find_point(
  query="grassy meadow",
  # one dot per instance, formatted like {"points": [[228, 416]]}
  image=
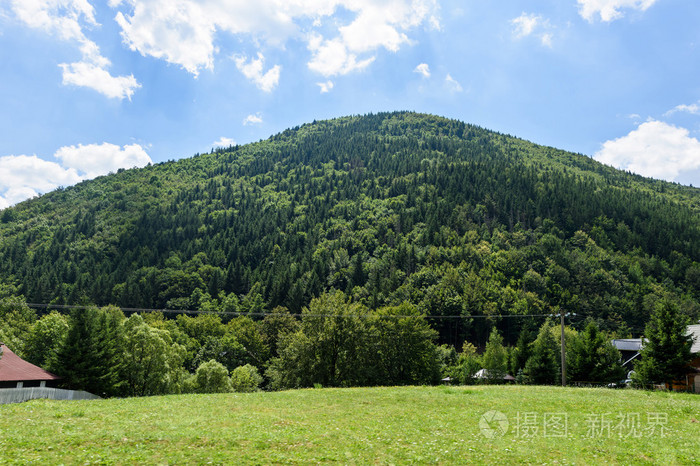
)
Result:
{"points": [[443, 425]]}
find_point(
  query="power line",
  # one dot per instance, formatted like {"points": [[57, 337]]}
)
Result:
{"points": [[264, 314]]}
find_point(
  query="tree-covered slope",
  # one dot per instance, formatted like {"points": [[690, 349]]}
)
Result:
{"points": [[388, 208]]}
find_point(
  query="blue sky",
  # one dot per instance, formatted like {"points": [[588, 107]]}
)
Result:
{"points": [[88, 87]]}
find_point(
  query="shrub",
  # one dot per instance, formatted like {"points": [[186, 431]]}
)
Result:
{"points": [[212, 377], [246, 378]]}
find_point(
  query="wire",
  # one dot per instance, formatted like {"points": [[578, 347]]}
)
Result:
{"points": [[264, 314]]}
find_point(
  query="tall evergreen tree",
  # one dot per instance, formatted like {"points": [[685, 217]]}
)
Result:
{"points": [[89, 357], [542, 368], [522, 350], [593, 358], [666, 351]]}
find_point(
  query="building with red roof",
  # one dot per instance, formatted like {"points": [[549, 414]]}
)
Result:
{"points": [[15, 372]]}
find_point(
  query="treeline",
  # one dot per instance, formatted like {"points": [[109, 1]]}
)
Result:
{"points": [[334, 343], [392, 209]]}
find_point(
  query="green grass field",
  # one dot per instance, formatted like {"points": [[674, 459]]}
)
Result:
{"points": [[361, 425]]}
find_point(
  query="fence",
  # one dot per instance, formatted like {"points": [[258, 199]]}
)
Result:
{"points": [[20, 395]]}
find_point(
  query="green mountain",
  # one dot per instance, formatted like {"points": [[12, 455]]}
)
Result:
{"points": [[389, 208]]}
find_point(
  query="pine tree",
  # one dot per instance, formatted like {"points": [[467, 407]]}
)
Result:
{"points": [[666, 352], [593, 358], [521, 352], [88, 359], [542, 368]]}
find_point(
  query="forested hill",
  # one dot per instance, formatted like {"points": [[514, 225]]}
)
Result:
{"points": [[389, 208]]}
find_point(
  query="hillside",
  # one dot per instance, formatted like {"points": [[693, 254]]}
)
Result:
{"points": [[389, 208]]}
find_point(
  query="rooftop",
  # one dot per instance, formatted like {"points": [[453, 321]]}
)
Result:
{"points": [[15, 369], [694, 330], [628, 344]]}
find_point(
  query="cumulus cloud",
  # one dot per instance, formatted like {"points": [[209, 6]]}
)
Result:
{"points": [[609, 10], [325, 86], [65, 19], [342, 36], [179, 32], [655, 149], [376, 25], [224, 142], [253, 70], [183, 32], [423, 69], [532, 25], [93, 160], [252, 120], [25, 176], [452, 84], [332, 57]]}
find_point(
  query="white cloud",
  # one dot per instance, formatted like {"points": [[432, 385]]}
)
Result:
{"points": [[546, 39], [609, 10], [693, 109], [655, 149], [179, 32], [325, 87], [525, 24], [423, 69], [183, 32], [532, 25], [88, 75], [253, 70], [331, 57], [252, 120], [376, 25], [26, 176], [65, 19], [60, 17], [224, 142], [452, 84], [342, 36], [93, 160]]}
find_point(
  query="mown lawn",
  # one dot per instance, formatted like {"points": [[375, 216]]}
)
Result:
{"points": [[361, 425]]}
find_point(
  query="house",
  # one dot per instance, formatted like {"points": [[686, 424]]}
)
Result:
{"points": [[22, 381], [15, 372], [630, 349], [692, 376], [483, 374]]}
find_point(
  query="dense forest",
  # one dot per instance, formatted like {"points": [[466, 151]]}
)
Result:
{"points": [[394, 209]]}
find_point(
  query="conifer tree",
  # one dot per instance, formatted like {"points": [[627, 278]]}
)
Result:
{"points": [[542, 368], [89, 357], [593, 358], [666, 351]]}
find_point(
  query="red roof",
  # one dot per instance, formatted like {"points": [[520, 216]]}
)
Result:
{"points": [[15, 369]]}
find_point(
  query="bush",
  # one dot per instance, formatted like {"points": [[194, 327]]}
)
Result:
{"points": [[246, 379], [212, 377]]}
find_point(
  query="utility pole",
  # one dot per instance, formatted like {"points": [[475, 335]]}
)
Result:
{"points": [[563, 353], [563, 347]]}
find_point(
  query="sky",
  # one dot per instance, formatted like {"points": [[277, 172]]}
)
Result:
{"points": [[88, 87]]}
